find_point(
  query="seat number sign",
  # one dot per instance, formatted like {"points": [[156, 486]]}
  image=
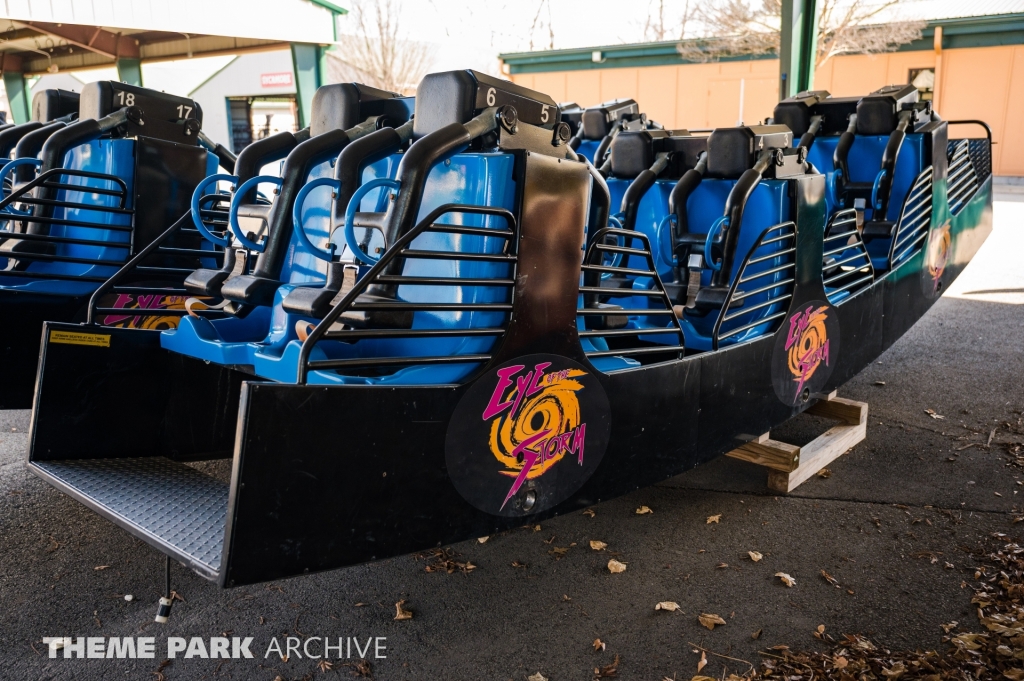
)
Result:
{"points": [[528, 110], [153, 107]]}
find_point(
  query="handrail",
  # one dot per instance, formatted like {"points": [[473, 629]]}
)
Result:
{"points": [[300, 200], [131, 264], [350, 216], [235, 203], [973, 121], [20, 192], [709, 261], [389, 255], [197, 218]]}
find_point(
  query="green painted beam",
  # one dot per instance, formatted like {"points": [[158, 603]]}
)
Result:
{"points": [[798, 46], [307, 61], [18, 96], [129, 71], [987, 31], [336, 9]]}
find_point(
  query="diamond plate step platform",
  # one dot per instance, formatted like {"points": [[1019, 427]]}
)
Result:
{"points": [[171, 506]]}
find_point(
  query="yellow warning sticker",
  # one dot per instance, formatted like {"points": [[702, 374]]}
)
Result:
{"points": [[96, 340]]}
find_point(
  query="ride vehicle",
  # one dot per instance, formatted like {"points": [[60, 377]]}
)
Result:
{"points": [[87, 196], [476, 373]]}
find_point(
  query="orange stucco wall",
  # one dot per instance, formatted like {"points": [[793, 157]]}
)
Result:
{"points": [[982, 82]]}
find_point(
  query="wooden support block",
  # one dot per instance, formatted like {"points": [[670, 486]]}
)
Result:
{"points": [[770, 453], [791, 465], [819, 453], [850, 412]]}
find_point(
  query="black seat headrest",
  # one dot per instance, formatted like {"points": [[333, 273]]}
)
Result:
{"points": [[731, 151], [458, 96], [48, 105], [164, 116], [878, 113], [634, 151], [571, 113], [344, 105], [795, 112], [598, 120]]}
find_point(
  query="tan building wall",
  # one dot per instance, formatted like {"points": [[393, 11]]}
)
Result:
{"points": [[981, 82]]}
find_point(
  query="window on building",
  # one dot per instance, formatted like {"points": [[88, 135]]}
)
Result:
{"points": [[253, 118], [924, 81]]}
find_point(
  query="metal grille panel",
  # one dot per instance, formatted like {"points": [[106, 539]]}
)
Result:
{"points": [[846, 266], [768, 274], [661, 321], [915, 219], [962, 180], [167, 503]]}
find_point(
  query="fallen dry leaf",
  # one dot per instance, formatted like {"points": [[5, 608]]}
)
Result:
{"points": [[607, 671], [879, 382], [597, 545], [830, 579], [598, 645], [101, 567], [722, 566], [703, 662], [483, 540], [713, 519], [537, 677], [931, 412], [824, 473], [615, 566], [643, 510], [325, 666], [786, 579], [589, 512], [401, 613], [754, 556], [536, 528], [671, 606], [710, 620], [757, 634], [949, 627]]}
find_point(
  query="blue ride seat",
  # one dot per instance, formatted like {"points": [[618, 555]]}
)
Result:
{"points": [[871, 150], [411, 319], [71, 239], [686, 190], [344, 116]]}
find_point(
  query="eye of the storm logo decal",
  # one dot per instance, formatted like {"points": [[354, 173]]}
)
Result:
{"points": [[805, 351], [807, 343], [937, 257], [527, 435], [538, 421]]}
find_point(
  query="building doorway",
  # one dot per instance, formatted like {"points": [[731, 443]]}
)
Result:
{"points": [[253, 118]]}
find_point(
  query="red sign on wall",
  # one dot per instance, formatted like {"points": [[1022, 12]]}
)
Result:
{"points": [[283, 79]]}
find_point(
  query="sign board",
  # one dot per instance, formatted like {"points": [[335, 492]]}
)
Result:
{"points": [[283, 79]]}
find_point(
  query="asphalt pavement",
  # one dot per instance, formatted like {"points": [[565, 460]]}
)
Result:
{"points": [[892, 526]]}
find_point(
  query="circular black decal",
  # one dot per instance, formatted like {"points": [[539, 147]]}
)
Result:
{"points": [[527, 435], [936, 258], [806, 348]]}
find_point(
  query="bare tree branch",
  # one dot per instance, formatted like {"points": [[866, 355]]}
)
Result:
{"points": [[734, 28], [377, 54]]}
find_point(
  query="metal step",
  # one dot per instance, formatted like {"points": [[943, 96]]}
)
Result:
{"points": [[171, 506]]}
